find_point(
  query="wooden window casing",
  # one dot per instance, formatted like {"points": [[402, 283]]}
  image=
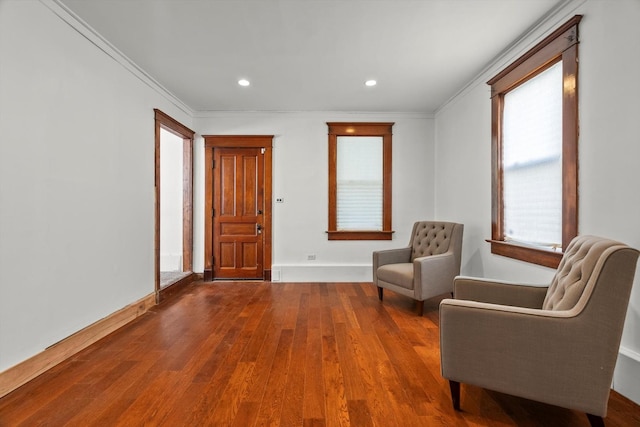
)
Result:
{"points": [[383, 130], [561, 45]]}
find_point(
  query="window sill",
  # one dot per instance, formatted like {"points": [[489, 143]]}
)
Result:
{"points": [[360, 235], [525, 253]]}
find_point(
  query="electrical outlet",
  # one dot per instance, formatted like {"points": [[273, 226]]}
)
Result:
{"points": [[279, 199], [311, 257]]}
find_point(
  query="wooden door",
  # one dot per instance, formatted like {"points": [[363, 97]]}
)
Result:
{"points": [[223, 148], [238, 212]]}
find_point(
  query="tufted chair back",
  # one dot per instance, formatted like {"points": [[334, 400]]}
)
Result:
{"points": [[430, 238], [576, 268]]}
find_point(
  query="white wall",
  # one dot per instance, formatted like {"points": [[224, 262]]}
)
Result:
{"points": [[76, 180], [609, 149], [171, 206], [300, 177]]}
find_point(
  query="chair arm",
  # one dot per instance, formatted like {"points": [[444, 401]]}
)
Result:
{"points": [[434, 274], [391, 256], [535, 354], [499, 292]]}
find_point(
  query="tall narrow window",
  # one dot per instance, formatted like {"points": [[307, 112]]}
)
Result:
{"points": [[359, 181], [535, 154]]}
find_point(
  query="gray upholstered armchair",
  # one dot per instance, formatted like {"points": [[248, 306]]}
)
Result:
{"points": [[426, 267], [555, 344]]}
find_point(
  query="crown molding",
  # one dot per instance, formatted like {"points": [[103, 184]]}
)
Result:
{"points": [[323, 115], [84, 29], [542, 28]]}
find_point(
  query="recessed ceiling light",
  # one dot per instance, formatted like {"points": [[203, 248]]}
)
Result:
{"points": [[371, 83], [244, 82]]}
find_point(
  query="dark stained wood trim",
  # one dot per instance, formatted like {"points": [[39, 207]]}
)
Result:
{"points": [[175, 288], [164, 121], [208, 213], [570, 134], [360, 128], [156, 239], [333, 192], [385, 130], [238, 141], [173, 125], [360, 235], [387, 152], [524, 253], [187, 208], [497, 205], [267, 232], [212, 142], [27, 370], [561, 45], [542, 53]]}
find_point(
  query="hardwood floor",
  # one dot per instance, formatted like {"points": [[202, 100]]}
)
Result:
{"points": [[253, 353]]}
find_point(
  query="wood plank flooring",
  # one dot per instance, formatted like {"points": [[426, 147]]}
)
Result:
{"points": [[253, 353]]}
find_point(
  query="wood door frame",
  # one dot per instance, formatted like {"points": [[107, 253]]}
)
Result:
{"points": [[164, 121], [211, 142]]}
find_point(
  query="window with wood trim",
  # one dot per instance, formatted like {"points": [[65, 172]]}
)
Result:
{"points": [[360, 181], [534, 108]]}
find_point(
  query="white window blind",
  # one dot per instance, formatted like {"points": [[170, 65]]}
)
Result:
{"points": [[359, 183], [532, 161]]}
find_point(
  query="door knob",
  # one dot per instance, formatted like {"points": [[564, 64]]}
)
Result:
{"points": [[259, 228]]}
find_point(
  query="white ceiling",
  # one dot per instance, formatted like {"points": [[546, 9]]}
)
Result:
{"points": [[312, 55]]}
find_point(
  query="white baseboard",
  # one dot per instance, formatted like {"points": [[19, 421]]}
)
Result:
{"points": [[321, 272], [626, 378]]}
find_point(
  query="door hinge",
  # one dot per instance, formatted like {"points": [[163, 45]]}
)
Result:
{"points": [[262, 150], [213, 212]]}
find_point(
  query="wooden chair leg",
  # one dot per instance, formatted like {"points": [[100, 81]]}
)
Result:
{"points": [[380, 290], [595, 420], [419, 307], [454, 386]]}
